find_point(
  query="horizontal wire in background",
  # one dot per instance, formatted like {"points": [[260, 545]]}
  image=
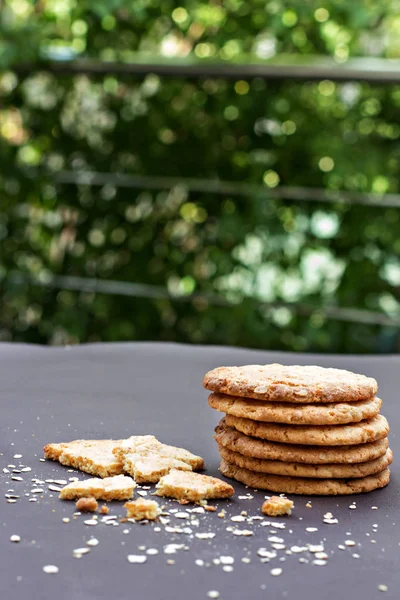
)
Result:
{"points": [[141, 290], [231, 188], [282, 67]]}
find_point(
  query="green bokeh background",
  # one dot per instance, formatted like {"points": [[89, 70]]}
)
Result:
{"points": [[257, 269]]}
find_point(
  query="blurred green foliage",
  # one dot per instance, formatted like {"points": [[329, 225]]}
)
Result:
{"points": [[252, 250]]}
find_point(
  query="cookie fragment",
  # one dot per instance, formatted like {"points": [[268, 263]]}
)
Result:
{"points": [[88, 504], [147, 460], [277, 506], [142, 509], [119, 487], [186, 485], [294, 383], [92, 456]]}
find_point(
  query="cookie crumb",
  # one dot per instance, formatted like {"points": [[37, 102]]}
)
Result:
{"points": [[50, 569], [210, 508], [88, 504], [142, 509], [104, 510], [277, 506], [137, 559]]}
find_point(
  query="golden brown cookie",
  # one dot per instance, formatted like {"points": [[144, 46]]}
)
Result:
{"points": [[193, 487], [243, 444], [92, 456], [296, 414], [109, 488], [291, 469], [147, 460], [301, 485], [279, 383], [320, 435]]}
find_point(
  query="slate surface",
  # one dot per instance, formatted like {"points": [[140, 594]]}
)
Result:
{"points": [[117, 390]]}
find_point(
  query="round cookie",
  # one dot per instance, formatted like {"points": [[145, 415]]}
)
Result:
{"points": [[328, 471], [319, 435], [295, 383], [316, 455], [296, 414], [301, 485]]}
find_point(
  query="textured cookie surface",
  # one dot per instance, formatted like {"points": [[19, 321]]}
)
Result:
{"points": [[290, 469], [319, 435], [109, 488], [147, 460], [279, 383], [300, 485], [243, 444], [92, 456], [296, 414], [194, 487]]}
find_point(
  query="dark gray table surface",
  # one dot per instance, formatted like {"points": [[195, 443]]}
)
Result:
{"points": [[118, 390]]}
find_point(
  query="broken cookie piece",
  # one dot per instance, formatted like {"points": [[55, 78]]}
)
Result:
{"points": [[142, 509], [147, 460], [92, 456], [186, 485], [119, 487], [87, 504], [150, 469], [276, 506]]}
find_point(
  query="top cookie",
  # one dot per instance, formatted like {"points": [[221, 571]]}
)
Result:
{"points": [[295, 383]]}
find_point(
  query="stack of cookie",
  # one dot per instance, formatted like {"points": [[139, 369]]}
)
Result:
{"points": [[300, 429]]}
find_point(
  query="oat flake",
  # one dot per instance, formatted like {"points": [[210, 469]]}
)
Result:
{"points": [[226, 560], [50, 569], [92, 542], [137, 559]]}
